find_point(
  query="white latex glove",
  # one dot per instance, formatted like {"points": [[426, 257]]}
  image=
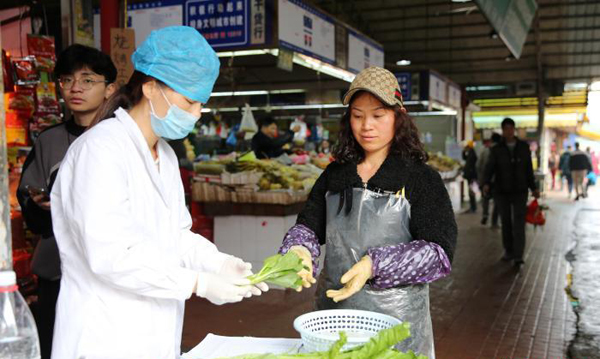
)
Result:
{"points": [[234, 267], [220, 290]]}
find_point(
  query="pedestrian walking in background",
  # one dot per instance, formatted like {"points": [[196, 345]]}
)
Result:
{"points": [[486, 198], [470, 173], [580, 165], [511, 171], [553, 161], [565, 170]]}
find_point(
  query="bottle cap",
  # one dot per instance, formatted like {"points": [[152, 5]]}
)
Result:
{"points": [[8, 278]]}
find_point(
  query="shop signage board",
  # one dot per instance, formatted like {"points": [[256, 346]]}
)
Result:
{"points": [[511, 19], [224, 24], [306, 30], [363, 53], [454, 96], [404, 80], [438, 89]]}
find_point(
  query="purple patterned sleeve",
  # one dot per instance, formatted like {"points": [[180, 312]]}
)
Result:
{"points": [[408, 263], [301, 235]]}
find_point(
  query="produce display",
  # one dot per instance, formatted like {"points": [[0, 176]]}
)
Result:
{"points": [[442, 163], [378, 347], [246, 179], [281, 270]]}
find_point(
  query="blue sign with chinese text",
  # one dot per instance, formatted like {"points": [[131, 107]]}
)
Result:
{"points": [[222, 23], [404, 80]]}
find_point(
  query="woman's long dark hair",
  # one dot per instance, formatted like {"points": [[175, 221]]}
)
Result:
{"points": [[406, 142], [127, 96]]}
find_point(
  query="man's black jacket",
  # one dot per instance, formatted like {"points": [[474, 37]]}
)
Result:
{"points": [[512, 172]]}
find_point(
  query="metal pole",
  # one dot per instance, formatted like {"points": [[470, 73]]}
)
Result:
{"points": [[5, 234], [540, 88]]}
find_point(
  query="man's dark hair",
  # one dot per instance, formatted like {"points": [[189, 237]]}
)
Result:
{"points": [[76, 57], [266, 121], [496, 137], [508, 122], [576, 145]]}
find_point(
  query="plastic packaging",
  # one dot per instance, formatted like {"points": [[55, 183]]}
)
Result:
{"points": [[18, 333]]}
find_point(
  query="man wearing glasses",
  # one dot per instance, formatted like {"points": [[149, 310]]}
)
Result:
{"points": [[86, 77]]}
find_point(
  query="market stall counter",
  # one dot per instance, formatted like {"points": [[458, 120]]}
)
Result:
{"points": [[254, 202]]}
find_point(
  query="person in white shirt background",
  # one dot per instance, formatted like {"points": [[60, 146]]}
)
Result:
{"points": [[129, 259]]}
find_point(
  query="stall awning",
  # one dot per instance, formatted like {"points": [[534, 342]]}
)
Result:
{"points": [[554, 118], [589, 132]]}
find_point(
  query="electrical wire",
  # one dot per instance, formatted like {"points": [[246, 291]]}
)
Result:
{"points": [[45, 19]]}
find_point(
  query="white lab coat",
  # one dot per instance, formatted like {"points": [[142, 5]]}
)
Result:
{"points": [[129, 259]]}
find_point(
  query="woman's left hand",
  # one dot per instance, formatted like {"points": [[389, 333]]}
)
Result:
{"points": [[354, 280]]}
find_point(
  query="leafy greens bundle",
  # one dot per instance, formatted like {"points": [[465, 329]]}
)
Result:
{"points": [[281, 270], [378, 347]]}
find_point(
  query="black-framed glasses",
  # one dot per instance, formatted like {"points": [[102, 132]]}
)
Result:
{"points": [[85, 83]]}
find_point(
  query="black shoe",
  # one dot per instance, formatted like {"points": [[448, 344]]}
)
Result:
{"points": [[507, 257], [484, 220], [518, 262], [577, 198]]}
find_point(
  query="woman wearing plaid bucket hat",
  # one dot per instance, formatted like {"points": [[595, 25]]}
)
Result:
{"points": [[384, 215], [129, 258]]}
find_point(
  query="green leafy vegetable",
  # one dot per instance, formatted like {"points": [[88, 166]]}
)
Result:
{"points": [[378, 347], [281, 270]]}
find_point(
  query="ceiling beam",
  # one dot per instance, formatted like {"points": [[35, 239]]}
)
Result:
{"points": [[479, 23], [491, 47], [503, 58], [448, 3], [485, 35]]}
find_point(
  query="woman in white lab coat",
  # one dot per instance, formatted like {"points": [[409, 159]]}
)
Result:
{"points": [[129, 259]]}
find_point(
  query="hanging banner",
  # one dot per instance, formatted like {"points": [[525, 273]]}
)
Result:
{"points": [[363, 53], [304, 29]]}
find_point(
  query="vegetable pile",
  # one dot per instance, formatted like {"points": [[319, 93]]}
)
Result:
{"points": [[281, 270], [378, 347]]}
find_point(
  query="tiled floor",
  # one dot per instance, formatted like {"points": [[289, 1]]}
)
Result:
{"points": [[485, 310]]}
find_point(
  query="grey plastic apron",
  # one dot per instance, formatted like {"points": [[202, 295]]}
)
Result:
{"points": [[373, 220]]}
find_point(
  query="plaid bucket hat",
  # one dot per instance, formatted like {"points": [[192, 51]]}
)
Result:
{"points": [[379, 82]]}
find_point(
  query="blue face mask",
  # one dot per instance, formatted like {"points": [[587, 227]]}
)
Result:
{"points": [[176, 124]]}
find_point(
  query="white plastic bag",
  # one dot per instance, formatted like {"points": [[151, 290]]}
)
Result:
{"points": [[248, 123]]}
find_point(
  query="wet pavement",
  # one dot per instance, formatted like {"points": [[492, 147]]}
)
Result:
{"points": [[585, 290], [486, 309]]}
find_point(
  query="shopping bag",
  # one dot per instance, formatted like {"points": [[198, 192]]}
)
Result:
{"points": [[591, 178], [535, 214]]}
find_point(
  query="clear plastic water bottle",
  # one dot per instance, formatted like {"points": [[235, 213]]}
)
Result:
{"points": [[18, 333]]}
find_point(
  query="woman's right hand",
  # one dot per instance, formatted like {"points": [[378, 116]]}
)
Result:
{"points": [[307, 273]]}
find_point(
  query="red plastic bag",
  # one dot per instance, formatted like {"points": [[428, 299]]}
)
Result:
{"points": [[535, 215]]}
